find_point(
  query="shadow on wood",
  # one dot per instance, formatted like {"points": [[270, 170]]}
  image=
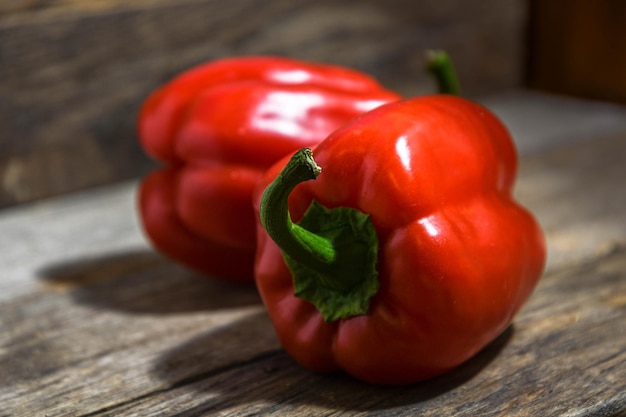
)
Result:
{"points": [[272, 377], [144, 282]]}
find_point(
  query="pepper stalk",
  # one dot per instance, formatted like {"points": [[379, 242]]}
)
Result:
{"points": [[439, 64], [331, 253]]}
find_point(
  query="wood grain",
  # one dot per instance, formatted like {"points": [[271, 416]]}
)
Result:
{"points": [[580, 199], [74, 73], [104, 327], [564, 355]]}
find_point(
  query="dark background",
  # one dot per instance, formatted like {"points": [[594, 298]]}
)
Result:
{"points": [[73, 73]]}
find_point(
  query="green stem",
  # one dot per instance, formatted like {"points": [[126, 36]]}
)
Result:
{"points": [[331, 254], [305, 247], [440, 66]]}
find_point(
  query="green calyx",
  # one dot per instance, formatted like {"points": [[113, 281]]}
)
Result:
{"points": [[331, 253], [439, 64]]}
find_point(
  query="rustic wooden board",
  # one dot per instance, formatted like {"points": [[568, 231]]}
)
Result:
{"points": [[93, 323], [564, 355], [580, 200], [73, 73]]}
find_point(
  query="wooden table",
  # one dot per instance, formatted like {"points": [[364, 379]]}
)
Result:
{"points": [[94, 323]]}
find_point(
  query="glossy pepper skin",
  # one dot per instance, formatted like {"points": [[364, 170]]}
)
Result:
{"points": [[217, 128], [457, 255]]}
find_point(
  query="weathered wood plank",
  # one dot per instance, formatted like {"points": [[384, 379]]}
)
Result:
{"points": [[74, 73], [82, 226], [564, 355], [95, 331], [579, 197], [540, 121]]}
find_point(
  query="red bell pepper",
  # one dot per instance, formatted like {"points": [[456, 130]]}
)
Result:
{"points": [[408, 254], [217, 128]]}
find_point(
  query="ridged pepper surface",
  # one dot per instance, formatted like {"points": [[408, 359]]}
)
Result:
{"points": [[216, 128]]}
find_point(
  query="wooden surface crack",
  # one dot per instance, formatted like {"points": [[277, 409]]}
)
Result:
{"points": [[184, 382]]}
